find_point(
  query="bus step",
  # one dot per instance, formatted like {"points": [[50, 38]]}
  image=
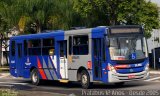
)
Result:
{"points": [[64, 81]]}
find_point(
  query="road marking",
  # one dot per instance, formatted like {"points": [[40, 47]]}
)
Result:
{"points": [[57, 94], [152, 79], [13, 83]]}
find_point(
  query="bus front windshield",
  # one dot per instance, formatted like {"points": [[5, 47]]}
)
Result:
{"points": [[127, 48]]}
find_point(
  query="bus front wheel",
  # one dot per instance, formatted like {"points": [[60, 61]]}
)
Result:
{"points": [[85, 80], [35, 77]]}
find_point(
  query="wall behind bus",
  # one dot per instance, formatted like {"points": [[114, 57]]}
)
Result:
{"points": [[154, 40]]}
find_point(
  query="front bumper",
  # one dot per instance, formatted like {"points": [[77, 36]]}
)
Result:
{"points": [[117, 77]]}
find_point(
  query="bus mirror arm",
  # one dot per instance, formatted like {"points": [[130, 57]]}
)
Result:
{"points": [[108, 43]]}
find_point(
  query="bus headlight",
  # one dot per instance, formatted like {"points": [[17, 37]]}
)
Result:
{"points": [[111, 68], [147, 67]]}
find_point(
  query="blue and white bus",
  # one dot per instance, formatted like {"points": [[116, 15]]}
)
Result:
{"points": [[108, 54]]}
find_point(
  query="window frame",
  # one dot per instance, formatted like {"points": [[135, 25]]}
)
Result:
{"points": [[70, 45]]}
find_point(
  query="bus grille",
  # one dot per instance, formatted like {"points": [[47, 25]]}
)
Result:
{"points": [[125, 76]]}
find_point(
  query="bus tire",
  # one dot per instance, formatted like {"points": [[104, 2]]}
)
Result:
{"points": [[35, 77], [119, 83], [85, 80]]}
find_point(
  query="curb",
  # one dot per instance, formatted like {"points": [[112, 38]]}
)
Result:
{"points": [[4, 69], [4, 75]]}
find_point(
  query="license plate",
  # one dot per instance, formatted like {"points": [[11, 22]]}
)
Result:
{"points": [[131, 76]]}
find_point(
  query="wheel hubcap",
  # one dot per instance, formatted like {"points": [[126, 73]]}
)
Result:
{"points": [[84, 79], [34, 77]]}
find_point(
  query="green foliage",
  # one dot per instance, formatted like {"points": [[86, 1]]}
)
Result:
{"points": [[7, 15], [140, 13], [115, 12], [38, 15]]}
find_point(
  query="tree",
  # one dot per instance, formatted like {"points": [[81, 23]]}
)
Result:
{"points": [[37, 15], [34, 16], [3, 26], [11, 13], [115, 12], [146, 14], [47, 14], [8, 19]]}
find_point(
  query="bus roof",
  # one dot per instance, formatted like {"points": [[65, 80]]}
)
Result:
{"points": [[39, 35], [62, 32], [51, 34]]}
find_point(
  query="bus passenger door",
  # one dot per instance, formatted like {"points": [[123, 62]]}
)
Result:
{"points": [[97, 58], [19, 58], [63, 59]]}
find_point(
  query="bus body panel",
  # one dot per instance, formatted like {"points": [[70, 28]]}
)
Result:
{"points": [[44, 64], [12, 60], [75, 62], [122, 75]]}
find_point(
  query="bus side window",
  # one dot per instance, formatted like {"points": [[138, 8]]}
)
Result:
{"points": [[80, 45], [34, 47], [48, 46], [13, 48]]}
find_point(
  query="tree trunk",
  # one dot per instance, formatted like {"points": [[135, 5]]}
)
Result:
{"points": [[38, 29], [6, 56], [6, 45], [38, 25]]}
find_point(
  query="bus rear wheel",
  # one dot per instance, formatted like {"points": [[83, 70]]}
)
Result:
{"points": [[85, 80], [35, 77]]}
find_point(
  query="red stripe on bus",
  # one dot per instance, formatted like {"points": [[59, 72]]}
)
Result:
{"points": [[41, 71]]}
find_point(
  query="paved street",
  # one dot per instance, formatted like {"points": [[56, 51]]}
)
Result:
{"points": [[50, 88]]}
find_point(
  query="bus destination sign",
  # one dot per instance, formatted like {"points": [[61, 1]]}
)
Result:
{"points": [[125, 30]]}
